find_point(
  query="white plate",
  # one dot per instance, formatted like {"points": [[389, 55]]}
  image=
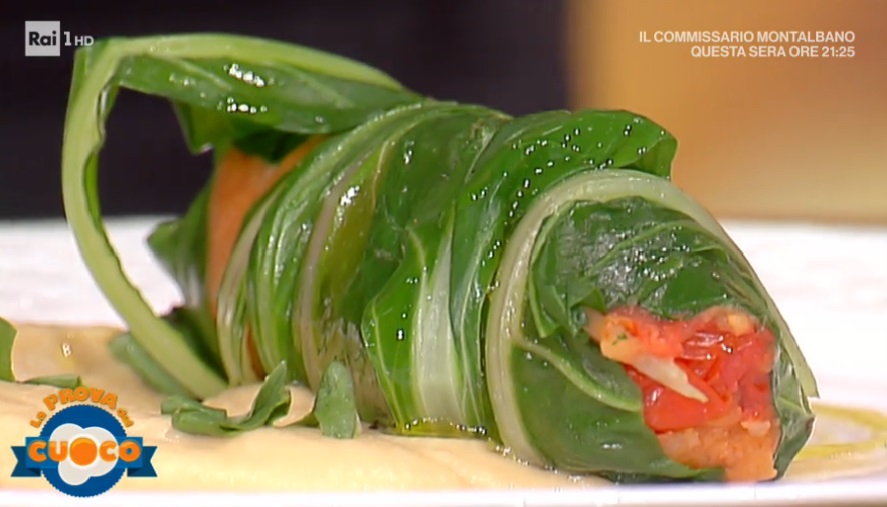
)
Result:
{"points": [[830, 284]]}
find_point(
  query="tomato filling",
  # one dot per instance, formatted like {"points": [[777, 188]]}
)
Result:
{"points": [[705, 383], [240, 180]]}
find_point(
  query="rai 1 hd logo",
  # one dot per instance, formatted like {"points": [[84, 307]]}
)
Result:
{"points": [[83, 448], [46, 38]]}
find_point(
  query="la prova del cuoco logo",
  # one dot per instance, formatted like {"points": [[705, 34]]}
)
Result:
{"points": [[83, 449]]}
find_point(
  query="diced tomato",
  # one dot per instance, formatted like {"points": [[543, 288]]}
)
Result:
{"points": [[728, 358], [732, 369]]}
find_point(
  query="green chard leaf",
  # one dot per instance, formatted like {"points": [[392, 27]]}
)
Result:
{"points": [[249, 93], [315, 237], [525, 159], [335, 408], [127, 349], [271, 403], [609, 238], [334, 412], [60, 381], [402, 297], [7, 340], [225, 88], [180, 247]]}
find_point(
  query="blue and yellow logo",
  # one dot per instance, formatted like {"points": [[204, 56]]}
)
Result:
{"points": [[83, 449]]}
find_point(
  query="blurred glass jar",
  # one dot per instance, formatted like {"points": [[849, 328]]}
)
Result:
{"points": [[776, 137]]}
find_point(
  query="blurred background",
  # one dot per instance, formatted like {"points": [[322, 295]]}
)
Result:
{"points": [[773, 138], [780, 138], [503, 53]]}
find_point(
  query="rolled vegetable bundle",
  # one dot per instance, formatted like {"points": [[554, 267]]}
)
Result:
{"points": [[536, 281]]}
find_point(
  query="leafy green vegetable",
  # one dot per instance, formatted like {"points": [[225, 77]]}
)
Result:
{"points": [[61, 381], [303, 93], [263, 93], [664, 260], [587, 435], [180, 247], [271, 402], [428, 264], [127, 350], [512, 346], [188, 323], [334, 410], [7, 339]]}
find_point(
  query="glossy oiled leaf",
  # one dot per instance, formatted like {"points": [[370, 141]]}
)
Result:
{"points": [[406, 322], [262, 94], [222, 99], [282, 243], [635, 253], [524, 159], [314, 240], [333, 93]]}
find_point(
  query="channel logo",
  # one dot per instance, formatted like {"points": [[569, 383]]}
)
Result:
{"points": [[83, 450], [46, 38]]}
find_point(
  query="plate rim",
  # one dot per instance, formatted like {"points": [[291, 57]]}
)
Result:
{"points": [[842, 492]]}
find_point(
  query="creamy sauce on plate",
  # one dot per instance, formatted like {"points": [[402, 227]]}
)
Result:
{"points": [[846, 442]]}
